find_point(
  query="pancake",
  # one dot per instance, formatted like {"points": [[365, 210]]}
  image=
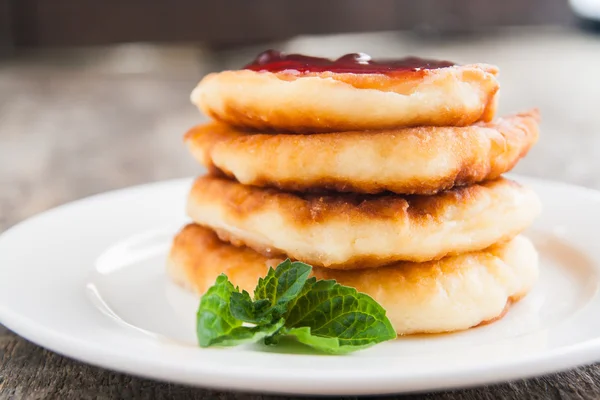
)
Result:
{"points": [[333, 102], [450, 294], [421, 160], [359, 231]]}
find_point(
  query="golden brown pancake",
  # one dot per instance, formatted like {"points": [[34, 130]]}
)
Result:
{"points": [[359, 231], [334, 102], [421, 160], [450, 294]]}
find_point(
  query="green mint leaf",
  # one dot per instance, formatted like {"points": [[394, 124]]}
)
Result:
{"points": [[282, 285], [305, 289], [216, 325], [213, 318], [327, 310], [248, 334], [323, 314], [243, 308], [322, 343]]}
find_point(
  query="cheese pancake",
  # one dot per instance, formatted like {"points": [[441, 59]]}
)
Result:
{"points": [[421, 160], [446, 295], [358, 231], [327, 101]]}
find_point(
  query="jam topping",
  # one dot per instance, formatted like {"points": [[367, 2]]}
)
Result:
{"points": [[356, 63]]}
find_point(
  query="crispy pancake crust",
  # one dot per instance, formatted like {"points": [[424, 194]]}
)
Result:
{"points": [[450, 294], [359, 231], [422, 160], [330, 102]]}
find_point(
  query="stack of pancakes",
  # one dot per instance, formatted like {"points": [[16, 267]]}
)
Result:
{"points": [[386, 182]]}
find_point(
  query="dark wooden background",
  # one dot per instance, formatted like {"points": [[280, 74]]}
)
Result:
{"points": [[224, 23]]}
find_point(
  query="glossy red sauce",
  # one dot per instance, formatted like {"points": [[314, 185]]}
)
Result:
{"points": [[356, 63]]}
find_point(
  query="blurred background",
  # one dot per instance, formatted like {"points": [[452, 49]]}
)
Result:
{"points": [[94, 95]]}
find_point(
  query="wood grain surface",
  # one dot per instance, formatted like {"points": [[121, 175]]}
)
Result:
{"points": [[75, 123]]}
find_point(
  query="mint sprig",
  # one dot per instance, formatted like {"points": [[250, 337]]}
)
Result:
{"points": [[216, 325], [322, 314]]}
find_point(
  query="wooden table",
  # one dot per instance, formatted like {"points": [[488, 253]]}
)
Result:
{"points": [[81, 122]]}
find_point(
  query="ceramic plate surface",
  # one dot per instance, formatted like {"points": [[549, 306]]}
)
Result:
{"points": [[87, 280]]}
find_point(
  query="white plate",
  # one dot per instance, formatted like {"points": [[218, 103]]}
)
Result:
{"points": [[87, 280]]}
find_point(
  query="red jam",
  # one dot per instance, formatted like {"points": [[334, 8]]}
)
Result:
{"points": [[356, 63]]}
